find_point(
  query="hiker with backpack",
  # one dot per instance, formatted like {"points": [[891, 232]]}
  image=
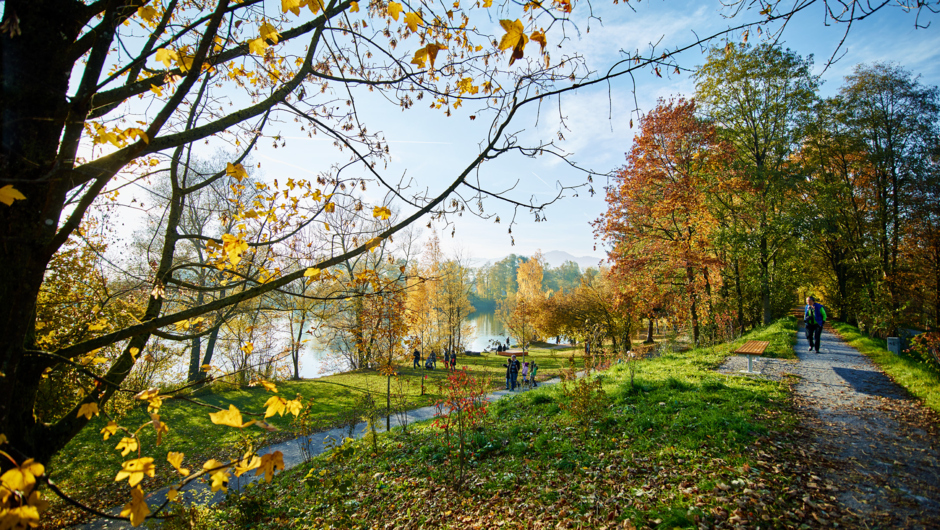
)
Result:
{"points": [[814, 317]]}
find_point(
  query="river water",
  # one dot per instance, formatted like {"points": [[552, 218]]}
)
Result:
{"points": [[486, 329]]}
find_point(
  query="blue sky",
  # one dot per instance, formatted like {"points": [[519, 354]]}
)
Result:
{"points": [[430, 148]]}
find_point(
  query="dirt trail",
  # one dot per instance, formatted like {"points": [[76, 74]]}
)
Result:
{"points": [[878, 444]]}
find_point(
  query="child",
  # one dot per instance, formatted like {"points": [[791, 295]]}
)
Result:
{"points": [[525, 373], [534, 370]]}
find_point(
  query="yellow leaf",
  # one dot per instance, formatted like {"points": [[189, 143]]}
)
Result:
{"points": [[172, 494], [269, 386], [135, 470], [176, 460], [394, 9], [137, 509], [167, 57], [312, 273], [466, 85], [134, 132], [539, 37], [126, 445], [257, 46], [219, 475], [515, 38], [354, 7], [275, 405], [231, 417], [293, 406], [429, 52], [246, 464], [412, 20], [315, 6], [236, 170], [373, 243], [146, 395], [206, 367], [248, 347], [420, 58], [8, 194], [234, 248], [159, 426], [269, 464], [291, 5], [381, 212], [330, 207], [88, 410], [147, 13], [134, 352], [109, 430], [268, 32], [22, 478]]}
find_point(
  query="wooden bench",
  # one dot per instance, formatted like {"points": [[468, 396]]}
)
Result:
{"points": [[751, 349]]}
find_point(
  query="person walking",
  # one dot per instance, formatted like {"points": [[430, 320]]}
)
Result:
{"points": [[534, 369], [417, 358], [512, 373], [814, 317], [453, 361]]}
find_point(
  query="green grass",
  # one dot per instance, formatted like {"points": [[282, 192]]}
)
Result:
{"points": [[913, 374], [682, 446], [86, 467]]}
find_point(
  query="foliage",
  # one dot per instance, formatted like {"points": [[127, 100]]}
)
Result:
{"points": [[585, 400], [688, 448], [927, 347], [128, 93], [756, 96], [462, 409], [658, 221]]}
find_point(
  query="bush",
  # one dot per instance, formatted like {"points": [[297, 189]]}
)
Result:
{"points": [[926, 348]]}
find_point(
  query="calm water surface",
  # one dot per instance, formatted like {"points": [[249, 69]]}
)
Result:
{"points": [[486, 329]]}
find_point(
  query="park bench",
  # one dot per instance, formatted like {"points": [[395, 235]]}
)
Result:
{"points": [[751, 349]]}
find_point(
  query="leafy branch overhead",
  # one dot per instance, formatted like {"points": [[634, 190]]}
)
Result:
{"points": [[111, 124]]}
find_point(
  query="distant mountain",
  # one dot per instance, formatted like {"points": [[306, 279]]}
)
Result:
{"points": [[556, 258]]}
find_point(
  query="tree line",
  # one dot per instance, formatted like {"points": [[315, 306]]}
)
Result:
{"points": [[755, 192]]}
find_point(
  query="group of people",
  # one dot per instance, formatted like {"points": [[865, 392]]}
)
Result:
{"points": [[450, 360], [514, 367]]}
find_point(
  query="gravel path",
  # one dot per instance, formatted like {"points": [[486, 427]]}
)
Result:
{"points": [[878, 445]]}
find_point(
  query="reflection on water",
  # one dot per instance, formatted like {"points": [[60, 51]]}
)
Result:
{"points": [[487, 328]]}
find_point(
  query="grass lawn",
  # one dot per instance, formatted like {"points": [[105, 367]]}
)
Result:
{"points": [[682, 446], [913, 374], [86, 468]]}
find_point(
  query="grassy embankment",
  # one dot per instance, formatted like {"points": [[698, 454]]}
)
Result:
{"points": [[913, 374], [85, 469], [683, 446]]}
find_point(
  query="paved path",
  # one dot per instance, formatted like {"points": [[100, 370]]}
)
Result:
{"points": [[293, 451], [878, 445]]}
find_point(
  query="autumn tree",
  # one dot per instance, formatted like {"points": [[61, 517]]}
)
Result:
{"points": [[897, 120], [756, 95], [97, 94], [658, 223], [519, 311]]}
